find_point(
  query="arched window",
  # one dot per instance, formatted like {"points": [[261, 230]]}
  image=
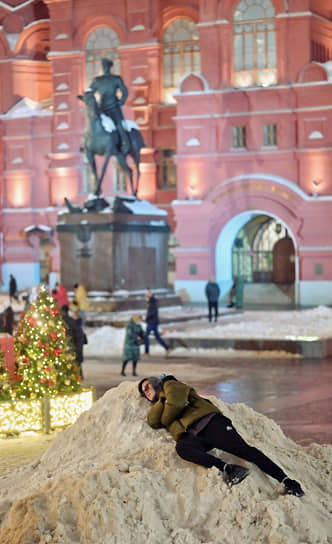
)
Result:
{"points": [[255, 58], [181, 54], [102, 42]]}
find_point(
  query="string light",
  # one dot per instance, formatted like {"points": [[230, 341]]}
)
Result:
{"points": [[48, 388]]}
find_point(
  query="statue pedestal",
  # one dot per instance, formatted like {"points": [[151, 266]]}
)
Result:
{"points": [[122, 248]]}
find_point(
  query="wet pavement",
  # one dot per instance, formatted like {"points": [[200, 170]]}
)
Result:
{"points": [[297, 394]]}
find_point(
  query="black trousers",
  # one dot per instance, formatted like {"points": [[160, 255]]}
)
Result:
{"points": [[213, 306], [220, 433], [124, 364]]}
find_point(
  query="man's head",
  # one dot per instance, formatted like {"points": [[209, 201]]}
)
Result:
{"points": [[150, 388], [148, 294], [106, 64], [136, 318]]}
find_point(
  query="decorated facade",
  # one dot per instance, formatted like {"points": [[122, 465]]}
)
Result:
{"points": [[234, 101]]}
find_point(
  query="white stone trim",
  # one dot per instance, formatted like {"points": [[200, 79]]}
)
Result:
{"points": [[186, 202], [296, 14], [138, 45], [15, 8], [264, 177], [315, 248], [64, 53], [192, 249], [35, 23], [214, 23], [250, 113]]}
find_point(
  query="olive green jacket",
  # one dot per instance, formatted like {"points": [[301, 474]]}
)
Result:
{"points": [[178, 407]]}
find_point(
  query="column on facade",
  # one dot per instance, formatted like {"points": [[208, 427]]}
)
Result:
{"points": [[293, 55], [65, 158], [140, 70], [6, 95]]}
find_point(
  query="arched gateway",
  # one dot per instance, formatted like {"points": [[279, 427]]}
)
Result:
{"points": [[251, 227], [260, 251]]}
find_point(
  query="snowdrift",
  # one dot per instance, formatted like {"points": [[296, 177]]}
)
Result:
{"points": [[111, 479]]}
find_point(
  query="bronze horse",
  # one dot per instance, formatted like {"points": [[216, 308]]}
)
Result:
{"points": [[98, 141]]}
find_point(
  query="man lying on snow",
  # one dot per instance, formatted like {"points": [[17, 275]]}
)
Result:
{"points": [[198, 426]]}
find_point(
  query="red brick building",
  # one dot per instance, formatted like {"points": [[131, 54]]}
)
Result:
{"points": [[236, 94]]}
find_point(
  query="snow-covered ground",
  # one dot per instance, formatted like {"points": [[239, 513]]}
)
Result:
{"points": [[110, 478], [308, 324]]}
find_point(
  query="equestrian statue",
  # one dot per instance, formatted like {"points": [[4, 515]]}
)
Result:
{"points": [[107, 132]]}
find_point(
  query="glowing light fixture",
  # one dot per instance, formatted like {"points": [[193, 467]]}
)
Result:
{"points": [[44, 414]]}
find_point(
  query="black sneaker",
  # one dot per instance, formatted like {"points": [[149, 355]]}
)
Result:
{"points": [[292, 487], [235, 474]]}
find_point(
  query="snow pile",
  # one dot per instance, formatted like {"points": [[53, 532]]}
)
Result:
{"points": [[111, 479]]}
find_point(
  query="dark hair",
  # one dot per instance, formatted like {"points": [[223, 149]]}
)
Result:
{"points": [[157, 385], [75, 285], [140, 386]]}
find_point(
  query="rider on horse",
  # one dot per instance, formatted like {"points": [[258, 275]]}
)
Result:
{"points": [[107, 86]]}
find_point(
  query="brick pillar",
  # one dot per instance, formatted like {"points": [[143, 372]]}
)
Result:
{"points": [[67, 68]]}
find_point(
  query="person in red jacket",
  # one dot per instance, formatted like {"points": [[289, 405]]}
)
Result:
{"points": [[60, 295]]}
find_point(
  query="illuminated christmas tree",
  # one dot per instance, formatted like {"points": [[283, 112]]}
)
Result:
{"points": [[5, 380], [45, 357]]}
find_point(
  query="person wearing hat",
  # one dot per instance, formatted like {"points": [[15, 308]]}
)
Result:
{"points": [[133, 339], [198, 426]]}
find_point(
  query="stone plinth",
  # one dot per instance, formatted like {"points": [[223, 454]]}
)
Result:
{"points": [[114, 250]]}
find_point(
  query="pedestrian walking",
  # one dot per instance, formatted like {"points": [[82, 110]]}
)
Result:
{"points": [[76, 332], [133, 339], [81, 298], [212, 293], [12, 288], [152, 321], [198, 426]]}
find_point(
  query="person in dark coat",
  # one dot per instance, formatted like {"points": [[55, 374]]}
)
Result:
{"points": [[8, 320], [212, 293], [152, 321], [12, 288], [198, 426], [77, 334], [134, 337]]}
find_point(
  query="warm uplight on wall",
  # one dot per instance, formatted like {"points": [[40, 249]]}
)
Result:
{"points": [[17, 189], [64, 182], [315, 185], [192, 190], [18, 197]]}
